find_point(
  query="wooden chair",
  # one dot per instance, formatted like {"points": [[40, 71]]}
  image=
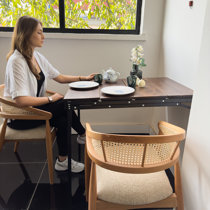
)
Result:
{"points": [[128, 171], [10, 110]]}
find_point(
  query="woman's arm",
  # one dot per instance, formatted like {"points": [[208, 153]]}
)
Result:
{"points": [[68, 78], [36, 101]]}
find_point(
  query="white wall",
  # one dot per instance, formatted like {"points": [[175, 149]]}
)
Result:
{"points": [[185, 58], [181, 40], [196, 167], [81, 57]]}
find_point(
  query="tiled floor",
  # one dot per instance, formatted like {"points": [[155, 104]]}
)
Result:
{"points": [[24, 182]]}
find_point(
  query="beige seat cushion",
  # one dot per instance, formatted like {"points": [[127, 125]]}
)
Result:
{"points": [[35, 133], [132, 189]]}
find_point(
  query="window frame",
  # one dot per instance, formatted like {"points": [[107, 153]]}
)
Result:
{"points": [[62, 28]]}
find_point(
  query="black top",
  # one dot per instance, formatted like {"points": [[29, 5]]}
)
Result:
{"points": [[40, 82]]}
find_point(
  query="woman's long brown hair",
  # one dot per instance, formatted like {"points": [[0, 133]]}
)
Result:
{"points": [[23, 30]]}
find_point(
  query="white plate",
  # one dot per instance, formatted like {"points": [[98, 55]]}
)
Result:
{"points": [[83, 84], [117, 90]]}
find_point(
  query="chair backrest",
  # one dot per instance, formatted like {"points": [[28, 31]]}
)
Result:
{"points": [[2, 90], [10, 110], [136, 153], [8, 105]]}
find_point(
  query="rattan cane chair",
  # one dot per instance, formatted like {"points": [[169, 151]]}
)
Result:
{"points": [[128, 171], [10, 110]]}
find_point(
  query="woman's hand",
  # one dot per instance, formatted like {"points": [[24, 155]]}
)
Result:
{"points": [[89, 77], [56, 97]]}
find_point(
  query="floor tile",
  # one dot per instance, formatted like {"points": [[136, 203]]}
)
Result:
{"points": [[33, 151], [57, 196], [18, 182]]}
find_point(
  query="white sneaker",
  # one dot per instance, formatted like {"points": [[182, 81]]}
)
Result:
{"points": [[76, 167], [81, 139]]}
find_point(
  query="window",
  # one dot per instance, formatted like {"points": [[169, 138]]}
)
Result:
{"points": [[75, 16]]}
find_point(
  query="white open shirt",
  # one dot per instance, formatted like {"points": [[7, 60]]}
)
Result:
{"points": [[20, 81]]}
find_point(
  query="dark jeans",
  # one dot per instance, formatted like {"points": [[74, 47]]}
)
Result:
{"points": [[59, 120]]}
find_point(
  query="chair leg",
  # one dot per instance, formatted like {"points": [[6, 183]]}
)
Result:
{"points": [[178, 187], [92, 188], [87, 173], [49, 151], [2, 134], [16, 146]]}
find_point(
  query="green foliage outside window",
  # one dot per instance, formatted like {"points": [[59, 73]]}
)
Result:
{"points": [[46, 11], [79, 14], [110, 14]]}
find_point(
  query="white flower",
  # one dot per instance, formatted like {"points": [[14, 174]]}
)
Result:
{"points": [[137, 55], [140, 48]]}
